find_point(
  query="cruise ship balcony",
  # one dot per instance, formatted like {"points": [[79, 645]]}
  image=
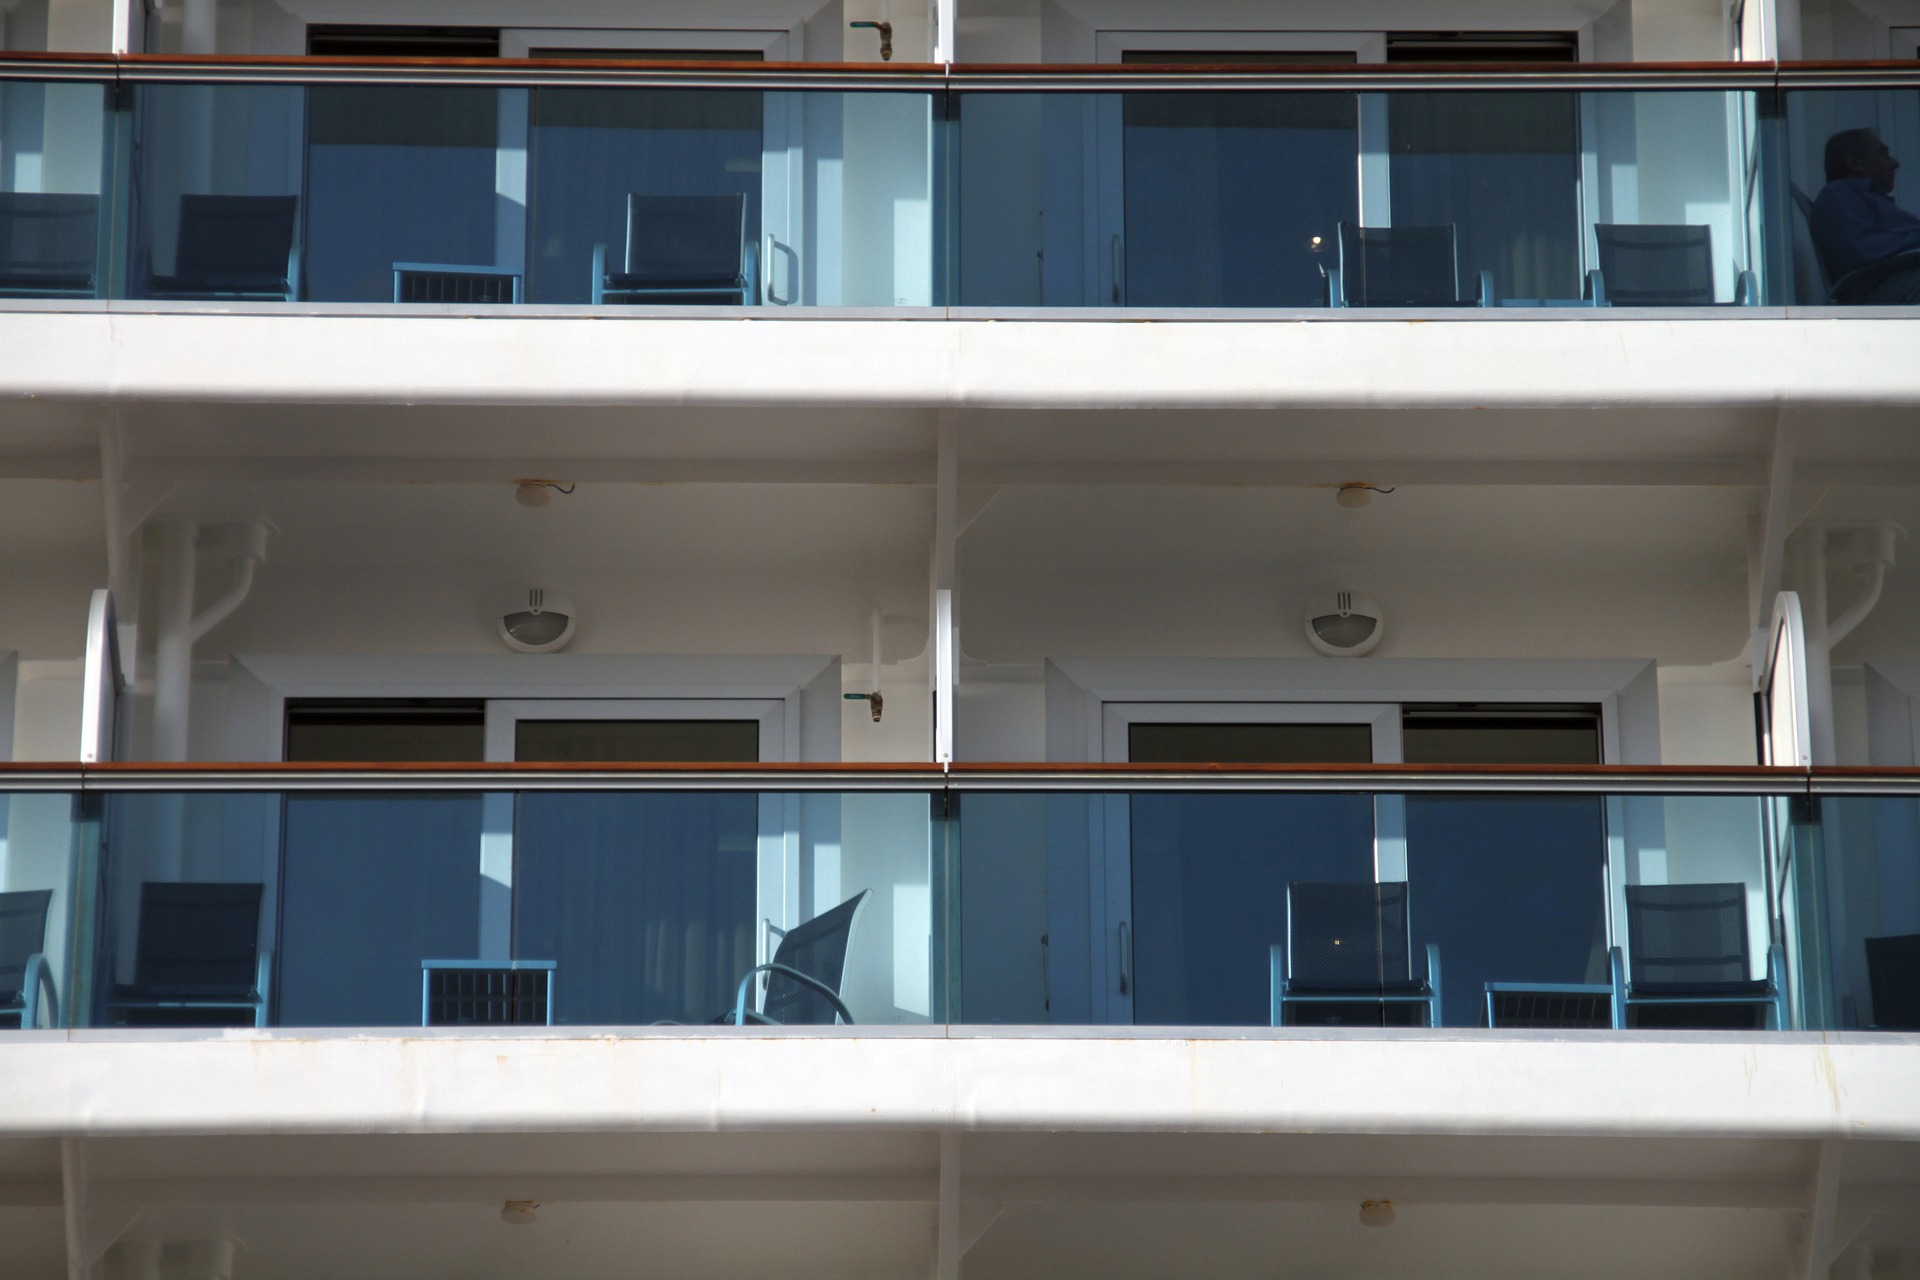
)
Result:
{"points": [[1746, 901], [174, 183]]}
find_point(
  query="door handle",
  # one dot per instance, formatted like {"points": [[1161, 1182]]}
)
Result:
{"points": [[1126, 958]]}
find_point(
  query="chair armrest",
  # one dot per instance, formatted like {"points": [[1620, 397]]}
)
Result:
{"points": [[741, 1013], [1433, 963], [38, 976], [1596, 290], [1746, 290], [262, 982], [599, 274], [1777, 978], [1617, 975], [1488, 298], [1276, 984]]}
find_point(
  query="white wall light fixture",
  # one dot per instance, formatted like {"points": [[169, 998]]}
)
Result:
{"points": [[538, 622], [1343, 624]]}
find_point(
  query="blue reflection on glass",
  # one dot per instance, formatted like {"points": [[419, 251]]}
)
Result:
{"points": [[590, 148], [397, 174], [1504, 169], [1210, 877], [371, 886], [1225, 194], [645, 900], [1513, 890]]}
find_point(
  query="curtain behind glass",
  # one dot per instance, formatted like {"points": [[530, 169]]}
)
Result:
{"points": [[1504, 169], [397, 174], [646, 901], [592, 147], [1225, 192], [1210, 875], [371, 886]]}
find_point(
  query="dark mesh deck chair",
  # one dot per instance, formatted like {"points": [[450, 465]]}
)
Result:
{"points": [[49, 245], [1654, 265], [26, 987], [236, 248], [1689, 966], [806, 973], [198, 961], [1399, 267], [681, 249], [1350, 946], [1893, 973]]}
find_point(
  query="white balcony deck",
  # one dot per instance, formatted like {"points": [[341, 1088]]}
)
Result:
{"points": [[922, 358], [1794, 1085], [987, 1152]]}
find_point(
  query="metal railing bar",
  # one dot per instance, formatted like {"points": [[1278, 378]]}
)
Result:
{"points": [[927, 778], [905, 77]]}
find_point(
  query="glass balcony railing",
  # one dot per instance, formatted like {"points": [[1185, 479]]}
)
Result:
{"points": [[1745, 900], [1219, 189]]}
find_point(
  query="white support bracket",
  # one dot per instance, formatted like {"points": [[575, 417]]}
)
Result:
{"points": [[92, 1225], [1768, 558], [1815, 1250], [947, 1244], [943, 645]]}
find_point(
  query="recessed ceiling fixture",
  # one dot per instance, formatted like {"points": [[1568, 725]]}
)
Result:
{"points": [[1343, 624], [521, 1212], [1356, 494], [538, 622], [1376, 1213], [534, 492]]}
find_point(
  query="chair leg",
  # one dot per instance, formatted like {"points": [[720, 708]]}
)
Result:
{"points": [[1619, 975], [1276, 987]]}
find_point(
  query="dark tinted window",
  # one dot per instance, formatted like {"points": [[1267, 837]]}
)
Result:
{"points": [[355, 41], [385, 730]]}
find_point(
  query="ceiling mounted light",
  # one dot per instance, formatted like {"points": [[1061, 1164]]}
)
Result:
{"points": [[538, 622], [1342, 624], [1376, 1213], [538, 493]]}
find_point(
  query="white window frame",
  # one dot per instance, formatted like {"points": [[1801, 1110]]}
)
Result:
{"points": [[779, 689], [1092, 701], [774, 44]]}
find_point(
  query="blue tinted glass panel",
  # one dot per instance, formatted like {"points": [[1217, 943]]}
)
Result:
{"points": [[1503, 169], [1511, 888], [217, 208], [646, 902], [373, 885], [1856, 226], [1210, 875], [405, 175], [1225, 194], [593, 148]]}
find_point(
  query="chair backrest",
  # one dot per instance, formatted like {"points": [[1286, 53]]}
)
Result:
{"points": [[1687, 936], [1893, 973], [197, 938], [23, 932], [235, 237], [818, 949], [1811, 277], [1655, 264], [1399, 266], [686, 239], [47, 234], [1348, 936]]}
